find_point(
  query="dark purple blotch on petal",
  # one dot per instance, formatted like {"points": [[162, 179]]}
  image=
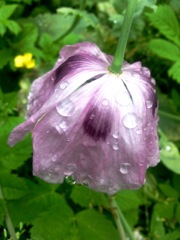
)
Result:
{"points": [[72, 64], [97, 124]]}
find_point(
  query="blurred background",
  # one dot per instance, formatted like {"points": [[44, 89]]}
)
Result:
{"points": [[31, 34]]}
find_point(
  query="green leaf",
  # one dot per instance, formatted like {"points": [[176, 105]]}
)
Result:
{"points": [[141, 4], [132, 216], [1, 212], [124, 199], [26, 42], [165, 49], [13, 187], [175, 235], [170, 155], [168, 191], [5, 56], [39, 198], [169, 120], [162, 213], [6, 11], [13, 26], [46, 41], [86, 197], [93, 225], [178, 212], [11, 158], [166, 22], [2, 29], [174, 71], [53, 224], [52, 24]]}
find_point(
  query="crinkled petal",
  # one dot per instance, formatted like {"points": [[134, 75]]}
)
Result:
{"points": [[103, 141], [96, 126], [83, 69]]}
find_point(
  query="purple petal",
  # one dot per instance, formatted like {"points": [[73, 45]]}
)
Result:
{"points": [[99, 127]]}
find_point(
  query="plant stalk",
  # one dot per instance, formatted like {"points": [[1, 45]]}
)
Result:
{"points": [[8, 220], [122, 42]]}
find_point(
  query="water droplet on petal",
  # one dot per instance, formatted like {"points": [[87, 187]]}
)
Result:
{"points": [[138, 131], [115, 146], [54, 158], [64, 85], [70, 179], [149, 104], [47, 131], [87, 181], [70, 168], [63, 125], [65, 108], [153, 81], [124, 168], [115, 134], [130, 120], [92, 116], [123, 98], [105, 102]]}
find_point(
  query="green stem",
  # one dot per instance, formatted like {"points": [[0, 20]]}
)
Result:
{"points": [[76, 20], [8, 221], [122, 42], [120, 220], [115, 212], [126, 225]]}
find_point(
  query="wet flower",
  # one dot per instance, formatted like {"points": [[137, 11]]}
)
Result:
{"points": [[96, 127], [25, 61]]}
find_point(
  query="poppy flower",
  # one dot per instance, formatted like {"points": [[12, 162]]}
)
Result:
{"points": [[89, 124]]}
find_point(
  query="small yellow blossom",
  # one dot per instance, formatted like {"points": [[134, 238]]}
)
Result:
{"points": [[25, 61]]}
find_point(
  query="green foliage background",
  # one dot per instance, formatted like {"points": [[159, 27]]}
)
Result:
{"points": [[42, 211]]}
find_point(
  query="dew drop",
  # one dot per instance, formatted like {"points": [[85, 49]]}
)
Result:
{"points": [[123, 98], [65, 108], [115, 134], [87, 181], [70, 168], [92, 116], [115, 146], [138, 131], [124, 168], [153, 81], [146, 71], [105, 102], [54, 158], [70, 180], [63, 125], [64, 85], [47, 131], [130, 120], [149, 104], [168, 148]]}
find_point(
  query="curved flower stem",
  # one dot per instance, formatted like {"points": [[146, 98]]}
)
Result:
{"points": [[76, 20], [8, 221], [114, 209], [122, 42], [120, 221]]}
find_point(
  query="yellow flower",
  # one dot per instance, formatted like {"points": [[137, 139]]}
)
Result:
{"points": [[25, 60]]}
